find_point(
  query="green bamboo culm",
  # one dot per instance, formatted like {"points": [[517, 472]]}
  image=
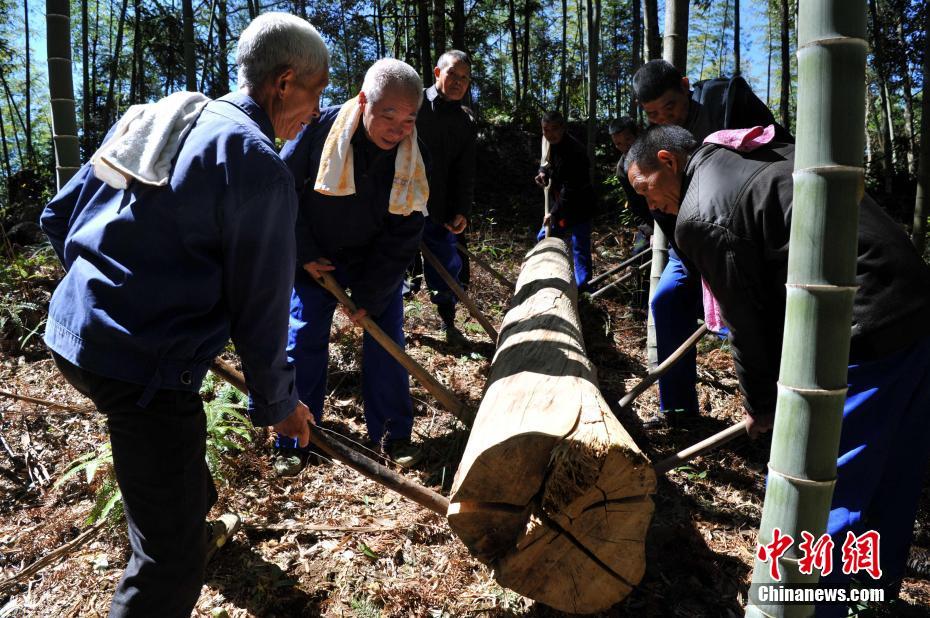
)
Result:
{"points": [[828, 185], [61, 90]]}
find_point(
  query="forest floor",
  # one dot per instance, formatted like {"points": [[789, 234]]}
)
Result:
{"points": [[329, 542]]}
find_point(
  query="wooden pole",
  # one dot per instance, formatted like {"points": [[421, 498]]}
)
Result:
{"points": [[625, 277], [459, 292], [704, 446], [659, 371], [355, 460], [618, 267], [440, 392], [480, 261], [547, 225]]}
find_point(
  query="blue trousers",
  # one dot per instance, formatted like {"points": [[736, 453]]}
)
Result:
{"points": [[883, 454], [385, 383], [676, 307], [580, 235], [442, 243]]}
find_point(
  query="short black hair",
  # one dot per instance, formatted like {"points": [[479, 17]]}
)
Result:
{"points": [[553, 117], [624, 123], [654, 78], [645, 150], [451, 56]]}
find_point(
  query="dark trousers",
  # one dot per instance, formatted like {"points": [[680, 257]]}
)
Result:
{"points": [[385, 383], [442, 243], [159, 459]]}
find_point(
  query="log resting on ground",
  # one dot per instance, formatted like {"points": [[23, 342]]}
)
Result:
{"points": [[552, 492]]}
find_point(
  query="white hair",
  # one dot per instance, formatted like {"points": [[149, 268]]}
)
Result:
{"points": [[389, 74], [275, 42]]}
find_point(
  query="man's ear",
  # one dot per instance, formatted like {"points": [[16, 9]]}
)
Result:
{"points": [[436, 72], [669, 159], [685, 85], [284, 81], [362, 100]]}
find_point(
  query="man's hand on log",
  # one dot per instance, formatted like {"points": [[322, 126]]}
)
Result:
{"points": [[296, 425], [758, 425], [317, 267], [458, 225]]}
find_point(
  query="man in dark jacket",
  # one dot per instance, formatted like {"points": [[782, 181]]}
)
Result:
{"points": [[364, 245], [668, 99], [571, 204], [734, 217], [448, 131], [158, 278]]}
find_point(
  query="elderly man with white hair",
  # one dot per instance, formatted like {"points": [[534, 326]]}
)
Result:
{"points": [[161, 272], [362, 182]]}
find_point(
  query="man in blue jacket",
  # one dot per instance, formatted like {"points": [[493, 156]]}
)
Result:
{"points": [[363, 245], [448, 130], [160, 277], [668, 98]]}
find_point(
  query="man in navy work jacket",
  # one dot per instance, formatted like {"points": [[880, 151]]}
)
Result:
{"points": [[364, 246], [571, 194], [160, 277], [734, 216], [448, 131], [711, 105]]}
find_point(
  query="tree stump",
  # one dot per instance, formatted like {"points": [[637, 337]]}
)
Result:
{"points": [[552, 492]]}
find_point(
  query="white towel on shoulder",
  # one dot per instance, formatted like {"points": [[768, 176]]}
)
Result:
{"points": [[146, 139], [336, 175]]}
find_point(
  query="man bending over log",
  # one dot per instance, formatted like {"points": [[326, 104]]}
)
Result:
{"points": [[161, 271], [362, 182], [733, 219], [668, 99], [567, 171], [623, 132], [448, 130]]}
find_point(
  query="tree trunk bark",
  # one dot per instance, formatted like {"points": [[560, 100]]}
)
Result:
{"points": [[28, 85], [768, 74], [6, 152], [439, 27], [563, 77], [675, 45], [136, 47], [514, 52], [594, 43], [114, 67], [721, 46], [61, 90], [87, 95], [423, 30], [651, 23], [222, 84], [458, 25], [784, 101], [828, 181], [887, 135], [736, 59], [525, 51], [636, 57], [552, 492], [190, 62], [208, 57], [905, 70], [921, 211]]}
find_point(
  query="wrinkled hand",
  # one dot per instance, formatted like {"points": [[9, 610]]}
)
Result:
{"points": [[758, 425], [318, 267], [355, 318], [541, 179], [296, 425], [458, 224], [547, 220]]}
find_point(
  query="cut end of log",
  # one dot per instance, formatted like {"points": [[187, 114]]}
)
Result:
{"points": [[552, 492]]}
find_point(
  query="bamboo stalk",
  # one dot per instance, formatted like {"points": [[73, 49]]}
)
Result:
{"points": [[828, 185], [653, 376], [440, 392], [622, 279], [460, 293], [618, 267], [365, 466], [704, 446], [487, 267]]}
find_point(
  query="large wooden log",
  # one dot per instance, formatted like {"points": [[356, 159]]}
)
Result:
{"points": [[552, 492]]}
